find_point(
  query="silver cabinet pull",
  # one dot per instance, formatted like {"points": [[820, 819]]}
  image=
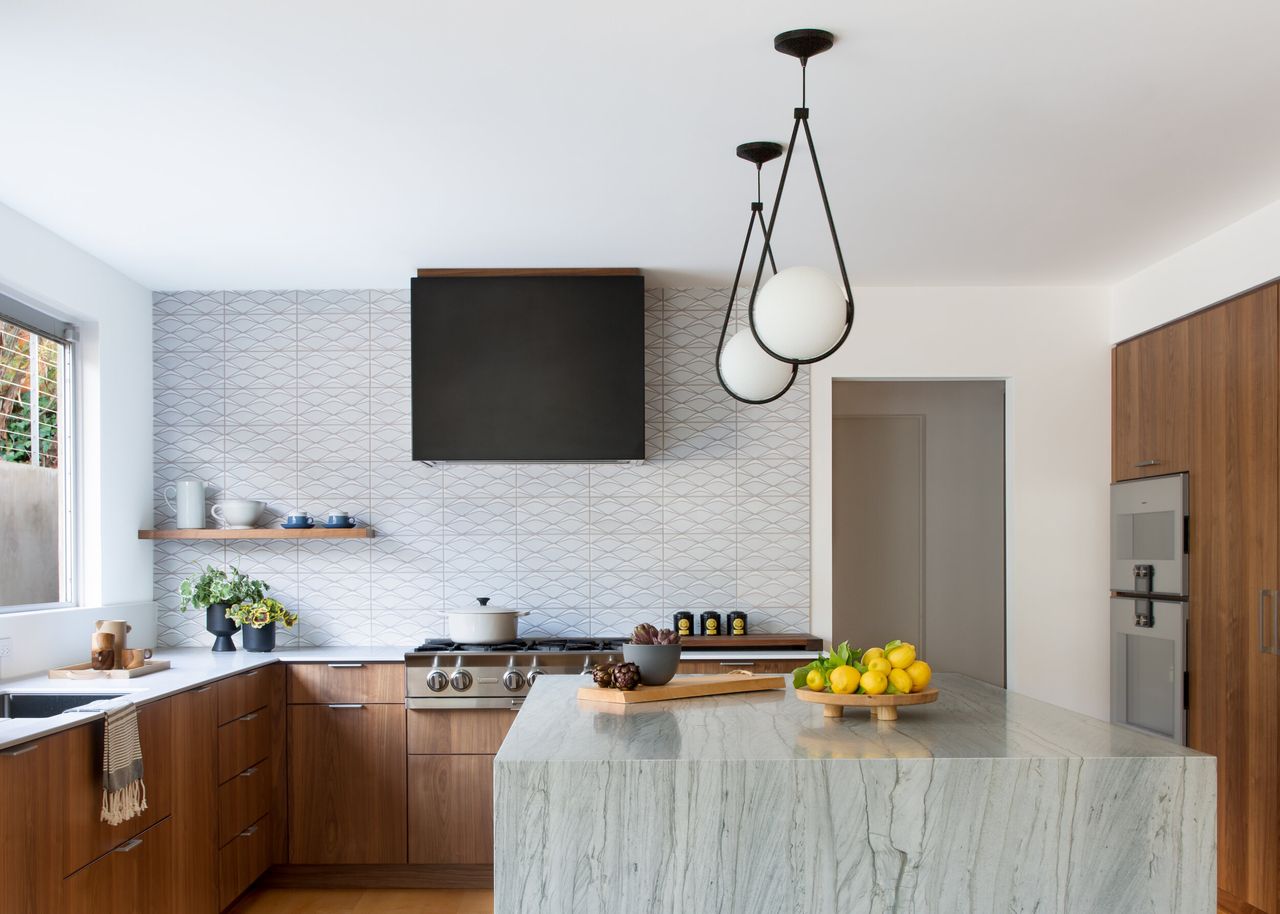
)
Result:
{"points": [[19, 750], [128, 846], [345, 666], [346, 704], [1262, 622], [1275, 621], [1147, 463], [205, 689], [249, 832], [251, 674], [249, 717], [248, 773], [747, 663]]}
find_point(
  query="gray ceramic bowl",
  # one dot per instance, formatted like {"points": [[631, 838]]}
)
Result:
{"points": [[657, 662]]}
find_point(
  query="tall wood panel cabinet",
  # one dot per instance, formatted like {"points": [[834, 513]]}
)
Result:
{"points": [[1227, 409]]}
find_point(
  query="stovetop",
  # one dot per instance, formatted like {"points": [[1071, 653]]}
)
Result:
{"points": [[523, 646]]}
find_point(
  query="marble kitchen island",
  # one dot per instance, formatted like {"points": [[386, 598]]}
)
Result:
{"points": [[756, 804]]}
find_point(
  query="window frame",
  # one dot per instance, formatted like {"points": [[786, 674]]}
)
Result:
{"points": [[43, 324]]}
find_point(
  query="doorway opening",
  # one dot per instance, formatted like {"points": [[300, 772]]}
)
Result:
{"points": [[918, 520]]}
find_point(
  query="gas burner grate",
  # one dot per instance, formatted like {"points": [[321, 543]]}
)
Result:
{"points": [[523, 645]]}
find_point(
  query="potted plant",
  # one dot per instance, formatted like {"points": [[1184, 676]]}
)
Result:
{"points": [[213, 590], [655, 651], [257, 619]]}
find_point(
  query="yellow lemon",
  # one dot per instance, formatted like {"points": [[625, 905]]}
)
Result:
{"points": [[902, 656], [880, 665], [874, 682], [901, 681], [872, 653], [920, 674], [844, 679], [816, 681]]}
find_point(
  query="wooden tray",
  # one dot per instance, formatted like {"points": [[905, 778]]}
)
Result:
{"points": [[86, 671], [686, 687], [882, 707]]}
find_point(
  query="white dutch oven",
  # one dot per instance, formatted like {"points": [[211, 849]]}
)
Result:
{"points": [[483, 624]]}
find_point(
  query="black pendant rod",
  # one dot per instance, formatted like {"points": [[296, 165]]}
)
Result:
{"points": [[757, 214]]}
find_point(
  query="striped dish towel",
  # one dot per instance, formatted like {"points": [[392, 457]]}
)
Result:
{"points": [[124, 796]]}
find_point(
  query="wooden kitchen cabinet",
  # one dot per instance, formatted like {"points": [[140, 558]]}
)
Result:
{"points": [[347, 783], [134, 878], [243, 742], [324, 683], [30, 880], [451, 809], [728, 666], [243, 859], [1151, 404], [466, 732], [195, 811]]}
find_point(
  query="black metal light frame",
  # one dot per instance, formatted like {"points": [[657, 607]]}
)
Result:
{"points": [[758, 153], [802, 44]]}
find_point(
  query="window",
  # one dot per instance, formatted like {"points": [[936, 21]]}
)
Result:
{"points": [[37, 529]]}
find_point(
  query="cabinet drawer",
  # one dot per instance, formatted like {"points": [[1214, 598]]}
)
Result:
{"points": [[244, 859], [133, 878], [322, 683], [238, 695], [243, 742], [458, 732], [726, 666], [243, 800]]}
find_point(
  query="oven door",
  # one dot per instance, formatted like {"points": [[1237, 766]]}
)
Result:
{"points": [[1148, 536], [1148, 666]]}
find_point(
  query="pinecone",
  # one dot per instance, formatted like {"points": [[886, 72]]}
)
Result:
{"points": [[626, 676], [602, 673]]}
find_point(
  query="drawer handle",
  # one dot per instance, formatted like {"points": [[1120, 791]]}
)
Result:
{"points": [[1147, 463], [248, 773], [19, 750], [249, 717], [251, 674], [128, 846], [345, 666], [747, 663], [345, 704], [205, 689], [249, 832]]}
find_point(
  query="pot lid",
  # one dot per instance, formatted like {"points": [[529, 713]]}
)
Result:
{"points": [[483, 608]]}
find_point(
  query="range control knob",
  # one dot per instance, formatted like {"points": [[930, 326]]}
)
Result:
{"points": [[513, 680], [437, 680], [533, 674], [461, 680]]}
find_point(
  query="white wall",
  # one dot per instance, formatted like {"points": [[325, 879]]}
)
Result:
{"points": [[1237, 258], [114, 316], [1052, 347]]}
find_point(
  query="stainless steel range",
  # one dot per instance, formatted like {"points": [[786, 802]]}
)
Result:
{"points": [[444, 674]]}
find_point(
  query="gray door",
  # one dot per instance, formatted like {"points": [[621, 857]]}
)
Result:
{"points": [[919, 512]]}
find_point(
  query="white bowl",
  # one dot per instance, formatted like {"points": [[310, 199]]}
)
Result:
{"points": [[238, 513]]}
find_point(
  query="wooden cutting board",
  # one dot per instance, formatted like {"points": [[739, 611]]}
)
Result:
{"points": [[685, 687]]}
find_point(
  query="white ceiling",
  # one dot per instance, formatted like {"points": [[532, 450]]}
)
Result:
{"points": [[264, 143]]}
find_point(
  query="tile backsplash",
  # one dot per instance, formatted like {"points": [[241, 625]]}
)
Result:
{"points": [[301, 398]]}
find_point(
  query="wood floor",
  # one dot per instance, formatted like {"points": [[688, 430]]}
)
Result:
{"points": [[365, 901]]}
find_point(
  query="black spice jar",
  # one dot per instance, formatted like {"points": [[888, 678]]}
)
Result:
{"points": [[711, 623], [737, 622], [682, 622]]}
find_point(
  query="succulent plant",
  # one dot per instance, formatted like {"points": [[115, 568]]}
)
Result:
{"points": [[602, 673], [626, 676], [649, 634]]}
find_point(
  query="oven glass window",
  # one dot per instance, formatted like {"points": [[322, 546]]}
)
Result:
{"points": [[1149, 685], [1147, 536]]}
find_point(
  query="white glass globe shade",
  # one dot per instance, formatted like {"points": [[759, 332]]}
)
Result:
{"points": [[749, 372], [800, 313]]}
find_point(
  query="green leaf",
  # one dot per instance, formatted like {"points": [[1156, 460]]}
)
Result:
{"points": [[891, 645], [860, 667], [893, 689], [799, 676]]}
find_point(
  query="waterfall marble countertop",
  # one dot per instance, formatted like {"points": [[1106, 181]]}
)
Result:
{"points": [[983, 801]]}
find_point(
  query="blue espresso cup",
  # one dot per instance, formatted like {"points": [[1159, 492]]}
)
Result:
{"points": [[299, 520]]}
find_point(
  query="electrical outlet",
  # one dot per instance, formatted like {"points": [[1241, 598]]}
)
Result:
{"points": [[6, 647]]}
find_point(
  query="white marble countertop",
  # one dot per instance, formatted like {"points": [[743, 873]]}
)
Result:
{"points": [[190, 668], [970, 719]]}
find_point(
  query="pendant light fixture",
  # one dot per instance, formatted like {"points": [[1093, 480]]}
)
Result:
{"points": [[746, 371], [801, 314]]}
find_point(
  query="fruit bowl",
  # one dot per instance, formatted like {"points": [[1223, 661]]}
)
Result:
{"points": [[882, 707]]}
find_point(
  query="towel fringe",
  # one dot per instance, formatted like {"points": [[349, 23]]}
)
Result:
{"points": [[123, 804]]}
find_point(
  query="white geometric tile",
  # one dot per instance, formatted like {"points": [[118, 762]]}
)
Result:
{"points": [[558, 588], [390, 368], [261, 331], [258, 368], [695, 299], [406, 479], [691, 366], [626, 481], [391, 329], [336, 331], [618, 622], [263, 558], [274, 444], [407, 627], [187, 332], [626, 588], [626, 552], [262, 301], [703, 552], [465, 589], [407, 517], [699, 403], [334, 484], [406, 555], [186, 302], [552, 480], [187, 443], [699, 478], [334, 367], [174, 557], [559, 622], [334, 443], [761, 550], [177, 629], [685, 516], [334, 557], [267, 404], [334, 300], [480, 481], [773, 478], [699, 441], [187, 406], [408, 591], [187, 369], [775, 620], [389, 299], [334, 627], [333, 407], [626, 516], [271, 482], [541, 553], [791, 407], [479, 554], [774, 440], [773, 587], [334, 590], [479, 516], [699, 590], [693, 327], [780, 515], [553, 516]]}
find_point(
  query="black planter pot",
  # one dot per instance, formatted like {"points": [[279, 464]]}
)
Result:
{"points": [[260, 640], [216, 623]]}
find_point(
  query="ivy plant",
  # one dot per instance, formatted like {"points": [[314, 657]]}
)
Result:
{"points": [[213, 585]]}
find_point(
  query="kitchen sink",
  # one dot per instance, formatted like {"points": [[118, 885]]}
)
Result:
{"points": [[47, 704]]}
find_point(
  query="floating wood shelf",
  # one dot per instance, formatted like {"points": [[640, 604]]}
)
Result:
{"points": [[800, 641], [260, 533]]}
